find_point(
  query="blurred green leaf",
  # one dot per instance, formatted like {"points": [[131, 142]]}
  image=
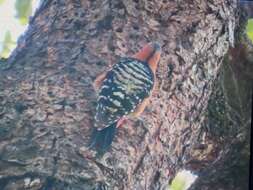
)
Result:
{"points": [[183, 180], [178, 184], [1, 1], [8, 45], [249, 29], [24, 10]]}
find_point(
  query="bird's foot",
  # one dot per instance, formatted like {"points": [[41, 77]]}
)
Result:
{"points": [[121, 121]]}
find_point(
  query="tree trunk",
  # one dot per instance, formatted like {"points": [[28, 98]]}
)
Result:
{"points": [[47, 101]]}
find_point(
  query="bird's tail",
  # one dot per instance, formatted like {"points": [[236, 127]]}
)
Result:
{"points": [[102, 139]]}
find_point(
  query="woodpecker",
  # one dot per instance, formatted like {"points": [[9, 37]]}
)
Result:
{"points": [[123, 91]]}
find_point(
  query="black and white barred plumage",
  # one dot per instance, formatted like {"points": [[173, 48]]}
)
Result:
{"points": [[126, 85], [124, 90]]}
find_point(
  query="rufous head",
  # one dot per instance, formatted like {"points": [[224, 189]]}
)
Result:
{"points": [[151, 54]]}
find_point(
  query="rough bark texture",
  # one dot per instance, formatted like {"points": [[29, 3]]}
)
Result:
{"points": [[47, 100], [229, 117]]}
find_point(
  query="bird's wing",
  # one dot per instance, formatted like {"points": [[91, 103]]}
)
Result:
{"points": [[141, 107], [125, 86]]}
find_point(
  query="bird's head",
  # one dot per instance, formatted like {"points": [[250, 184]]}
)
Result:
{"points": [[151, 54]]}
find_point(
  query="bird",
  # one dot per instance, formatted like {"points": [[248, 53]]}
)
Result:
{"points": [[122, 91]]}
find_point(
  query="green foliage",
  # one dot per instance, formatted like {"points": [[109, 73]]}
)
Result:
{"points": [[24, 10], [183, 180], [178, 184], [1, 1], [249, 29], [8, 45]]}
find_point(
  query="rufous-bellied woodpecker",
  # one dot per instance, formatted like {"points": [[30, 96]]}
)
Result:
{"points": [[122, 91]]}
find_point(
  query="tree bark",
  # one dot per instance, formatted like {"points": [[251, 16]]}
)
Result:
{"points": [[47, 101], [229, 117]]}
